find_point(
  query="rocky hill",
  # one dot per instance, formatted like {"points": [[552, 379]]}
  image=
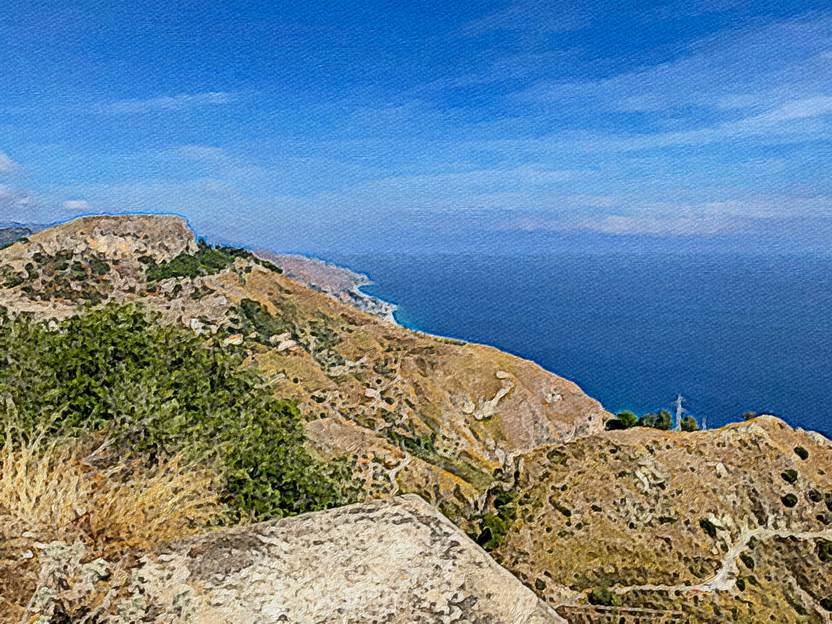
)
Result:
{"points": [[423, 414], [730, 525]]}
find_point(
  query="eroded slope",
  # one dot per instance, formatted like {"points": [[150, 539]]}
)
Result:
{"points": [[434, 416]]}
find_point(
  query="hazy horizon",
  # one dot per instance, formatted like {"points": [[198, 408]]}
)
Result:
{"points": [[501, 125]]}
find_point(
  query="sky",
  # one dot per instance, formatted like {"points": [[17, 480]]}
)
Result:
{"points": [[505, 126]]}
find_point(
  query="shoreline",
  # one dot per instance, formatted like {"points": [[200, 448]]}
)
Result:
{"points": [[352, 294], [334, 280]]}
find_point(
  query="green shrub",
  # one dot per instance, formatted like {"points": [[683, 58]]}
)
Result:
{"points": [[826, 603], [708, 526], [689, 424], [801, 452], [789, 475], [824, 551], [789, 500], [159, 390], [604, 596], [492, 527]]}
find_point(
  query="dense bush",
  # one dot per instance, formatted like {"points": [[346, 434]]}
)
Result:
{"points": [[789, 475], [605, 597], [206, 261], [159, 390], [492, 527], [789, 500], [689, 423]]}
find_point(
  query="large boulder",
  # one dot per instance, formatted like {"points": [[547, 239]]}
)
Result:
{"points": [[390, 560]]}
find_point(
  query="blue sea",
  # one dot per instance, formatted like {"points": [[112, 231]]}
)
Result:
{"points": [[728, 333]]}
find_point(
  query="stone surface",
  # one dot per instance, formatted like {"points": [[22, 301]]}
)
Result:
{"points": [[390, 560]]}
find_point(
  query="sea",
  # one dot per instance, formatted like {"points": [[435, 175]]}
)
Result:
{"points": [[728, 333]]}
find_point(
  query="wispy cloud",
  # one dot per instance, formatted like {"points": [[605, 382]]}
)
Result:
{"points": [[14, 204], [755, 67], [76, 205], [7, 165], [537, 16], [179, 102]]}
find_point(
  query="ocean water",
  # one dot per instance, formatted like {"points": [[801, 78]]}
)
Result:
{"points": [[730, 333]]}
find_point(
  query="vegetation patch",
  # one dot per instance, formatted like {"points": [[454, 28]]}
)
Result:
{"points": [[604, 596], [158, 391], [789, 475], [208, 260], [79, 279], [491, 527], [709, 527], [789, 500]]}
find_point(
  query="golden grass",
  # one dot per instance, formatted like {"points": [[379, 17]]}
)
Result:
{"points": [[73, 491], [52, 489]]}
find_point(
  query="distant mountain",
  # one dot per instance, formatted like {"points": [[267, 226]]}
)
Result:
{"points": [[10, 234]]}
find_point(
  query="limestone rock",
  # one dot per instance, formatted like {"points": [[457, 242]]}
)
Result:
{"points": [[393, 560]]}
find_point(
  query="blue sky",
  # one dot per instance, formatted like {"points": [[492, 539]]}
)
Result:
{"points": [[503, 126]]}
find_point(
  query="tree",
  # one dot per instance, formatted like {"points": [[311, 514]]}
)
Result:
{"points": [[689, 424], [662, 420], [623, 420]]}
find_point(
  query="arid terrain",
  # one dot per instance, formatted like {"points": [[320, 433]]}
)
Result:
{"points": [[727, 525]]}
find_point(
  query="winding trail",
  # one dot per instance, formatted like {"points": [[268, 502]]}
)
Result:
{"points": [[726, 577]]}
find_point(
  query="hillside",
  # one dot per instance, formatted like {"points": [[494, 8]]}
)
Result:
{"points": [[733, 524], [423, 414], [728, 525]]}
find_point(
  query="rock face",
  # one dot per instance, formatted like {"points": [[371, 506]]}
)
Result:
{"points": [[393, 561]]}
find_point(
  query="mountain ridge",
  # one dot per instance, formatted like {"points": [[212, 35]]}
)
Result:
{"points": [[721, 525]]}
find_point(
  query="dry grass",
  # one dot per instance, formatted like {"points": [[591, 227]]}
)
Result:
{"points": [[61, 490], [53, 489]]}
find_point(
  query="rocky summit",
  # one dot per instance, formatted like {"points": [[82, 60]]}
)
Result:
{"points": [[589, 525]]}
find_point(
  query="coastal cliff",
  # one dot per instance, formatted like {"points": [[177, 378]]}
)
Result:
{"points": [[733, 524]]}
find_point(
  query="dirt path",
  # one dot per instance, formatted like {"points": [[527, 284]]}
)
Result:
{"points": [[726, 577]]}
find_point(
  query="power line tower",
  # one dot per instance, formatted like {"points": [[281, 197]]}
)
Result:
{"points": [[677, 425]]}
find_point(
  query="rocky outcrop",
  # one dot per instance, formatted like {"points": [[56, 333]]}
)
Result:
{"points": [[160, 237], [394, 561]]}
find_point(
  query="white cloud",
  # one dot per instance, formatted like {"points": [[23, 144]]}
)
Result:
{"points": [[76, 205], [15, 205], [6, 164], [804, 108], [752, 68], [170, 102]]}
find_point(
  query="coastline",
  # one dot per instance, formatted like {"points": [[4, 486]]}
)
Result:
{"points": [[339, 282]]}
